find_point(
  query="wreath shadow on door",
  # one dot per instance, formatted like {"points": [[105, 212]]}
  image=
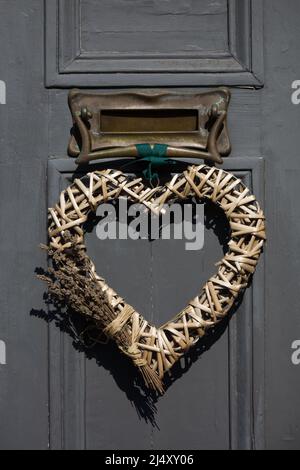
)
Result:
{"points": [[108, 355]]}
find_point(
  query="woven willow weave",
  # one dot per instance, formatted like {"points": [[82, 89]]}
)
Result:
{"points": [[157, 349]]}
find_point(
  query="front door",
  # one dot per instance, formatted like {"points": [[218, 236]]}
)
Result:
{"points": [[240, 388]]}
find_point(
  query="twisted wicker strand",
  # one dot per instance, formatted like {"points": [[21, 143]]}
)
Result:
{"points": [[161, 347]]}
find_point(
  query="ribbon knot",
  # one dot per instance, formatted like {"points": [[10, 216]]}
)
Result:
{"points": [[155, 156]]}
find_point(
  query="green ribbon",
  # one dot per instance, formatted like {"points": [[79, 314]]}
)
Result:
{"points": [[155, 156]]}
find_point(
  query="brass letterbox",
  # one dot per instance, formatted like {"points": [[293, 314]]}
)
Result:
{"points": [[112, 124]]}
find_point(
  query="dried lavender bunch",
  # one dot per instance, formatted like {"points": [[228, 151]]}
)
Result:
{"points": [[70, 283]]}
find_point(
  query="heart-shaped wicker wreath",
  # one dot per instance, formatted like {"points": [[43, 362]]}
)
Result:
{"points": [[73, 278]]}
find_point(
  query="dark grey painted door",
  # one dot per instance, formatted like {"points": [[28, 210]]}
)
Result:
{"points": [[240, 388]]}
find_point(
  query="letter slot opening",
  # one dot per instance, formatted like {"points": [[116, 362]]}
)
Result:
{"points": [[148, 120]]}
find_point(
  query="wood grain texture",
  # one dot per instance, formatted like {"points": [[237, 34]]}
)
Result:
{"points": [[115, 43], [23, 156], [146, 27], [261, 123], [280, 140]]}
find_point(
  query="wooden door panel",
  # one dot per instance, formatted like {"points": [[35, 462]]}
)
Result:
{"points": [[178, 43], [213, 385], [243, 391]]}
